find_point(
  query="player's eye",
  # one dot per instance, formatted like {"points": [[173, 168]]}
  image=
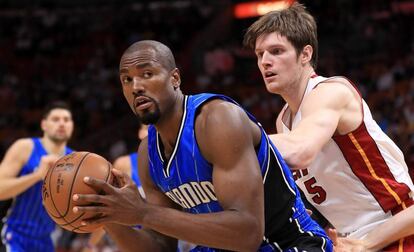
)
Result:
{"points": [[147, 74], [126, 79], [276, 51], [66, 119]]}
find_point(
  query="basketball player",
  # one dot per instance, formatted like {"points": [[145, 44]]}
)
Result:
{"points": [[27, 226], [208, 169], [346, 166]]}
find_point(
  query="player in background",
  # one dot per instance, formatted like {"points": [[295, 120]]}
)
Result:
{"points": [[352, 173], [27, 226]]}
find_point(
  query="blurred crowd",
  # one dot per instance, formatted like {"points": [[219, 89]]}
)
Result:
{"points": [[71, 51]]}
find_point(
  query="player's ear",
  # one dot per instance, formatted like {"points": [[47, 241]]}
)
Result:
{"points": [[306, 55], [176, 78], [43, 124]]}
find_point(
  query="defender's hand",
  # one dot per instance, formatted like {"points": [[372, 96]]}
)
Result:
{"points": [[344, 244]]}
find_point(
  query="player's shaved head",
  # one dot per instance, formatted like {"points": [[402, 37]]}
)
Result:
{"points": [[162, 54]]}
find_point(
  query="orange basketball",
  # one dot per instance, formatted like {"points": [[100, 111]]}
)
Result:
{"points": [[64, 180]]}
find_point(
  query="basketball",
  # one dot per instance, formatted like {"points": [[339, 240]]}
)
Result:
{"points": [[64, 180]]}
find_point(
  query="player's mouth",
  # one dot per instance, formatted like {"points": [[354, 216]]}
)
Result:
{"points": [[61, 131], [269, 76], [142, 103]]}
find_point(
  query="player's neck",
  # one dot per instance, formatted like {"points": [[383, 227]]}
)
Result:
{"points": [[52, 147], [294, 95], [169, 125]]}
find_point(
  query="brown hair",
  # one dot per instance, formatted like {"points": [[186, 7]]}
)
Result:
{"points": [[54, 105], [295, 23]]}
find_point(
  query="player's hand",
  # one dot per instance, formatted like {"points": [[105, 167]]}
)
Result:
{"points": [[344, 244], [120, 204], [46, 162]]}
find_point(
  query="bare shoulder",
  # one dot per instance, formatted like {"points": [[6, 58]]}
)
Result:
{"points": [[221, 123], [22, 147], [24, 143], [218, 117], [336, 98], [217, 110], [339, 85], [335, 93], [16, 156]]}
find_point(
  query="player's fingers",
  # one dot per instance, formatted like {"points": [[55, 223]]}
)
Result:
{"points": [[333, 235], [118, 173], [99, 185], [118, 178], [90, 209], [80, 199], [98, 219], [121, 178]]}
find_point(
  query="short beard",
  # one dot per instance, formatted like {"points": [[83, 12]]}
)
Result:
{"points": [[150, 117], [57, 140]]}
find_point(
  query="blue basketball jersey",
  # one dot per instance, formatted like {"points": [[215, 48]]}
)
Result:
{"points": [[133, 157], [186, 178], [27, 218]]}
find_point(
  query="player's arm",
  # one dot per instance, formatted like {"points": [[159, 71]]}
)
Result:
{"points": [[326, 110], [12, 163], [130, 239], [398, 226], [227, 138]]}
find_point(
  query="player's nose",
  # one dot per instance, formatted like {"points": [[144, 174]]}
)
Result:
{"points": [[266, 60], [62, 122], [137, 84]]}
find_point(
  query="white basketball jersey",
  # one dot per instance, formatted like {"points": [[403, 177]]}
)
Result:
{"points": [[358, 180]]}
